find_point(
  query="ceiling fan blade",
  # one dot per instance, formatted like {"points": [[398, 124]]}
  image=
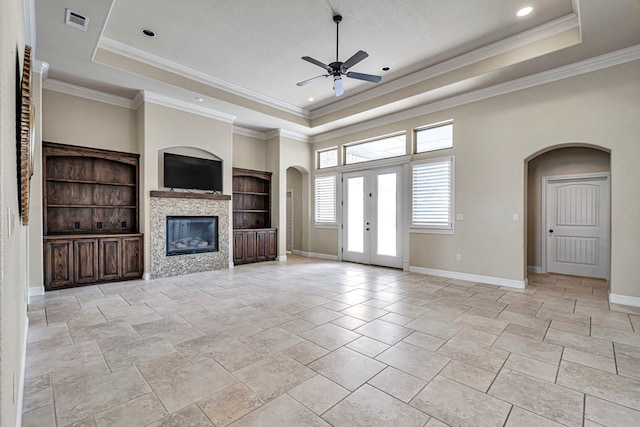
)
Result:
{"points": [[312, 79], [367, 77], [357, 57], [316, 62], [338, 86]]}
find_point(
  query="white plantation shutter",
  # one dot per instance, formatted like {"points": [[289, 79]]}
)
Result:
{"points": [[432, 194], [325, 206]]}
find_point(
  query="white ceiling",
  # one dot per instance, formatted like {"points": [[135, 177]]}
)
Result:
{"points": [[243, 56]]}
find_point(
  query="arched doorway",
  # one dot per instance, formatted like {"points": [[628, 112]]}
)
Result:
{"points": [[294, 204], [568, 211]]}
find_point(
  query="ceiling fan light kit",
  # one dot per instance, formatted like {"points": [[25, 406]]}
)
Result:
{"points": [[338, 69]]}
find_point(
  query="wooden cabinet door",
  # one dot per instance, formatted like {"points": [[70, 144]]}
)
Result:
{"points": [[238, 248], [249, 246], [132, 257], [110, 258], [261, 245], [272, 245], [85, 260], [58, 263]]}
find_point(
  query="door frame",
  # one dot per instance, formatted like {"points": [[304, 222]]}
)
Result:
{"points": [[543, 212], [403, 161], [289, 191]]}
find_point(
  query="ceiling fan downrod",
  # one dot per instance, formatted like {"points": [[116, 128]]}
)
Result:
{"points": [[337, 19]]}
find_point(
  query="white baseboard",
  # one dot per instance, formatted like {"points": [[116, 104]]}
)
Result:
{"points": [[624, 300], [231, 264], [146, 276], [282, 258], [535, 269], [319, 255], [406, 266], [498, 281], [22, 375], [35, 291], [297, 252]]}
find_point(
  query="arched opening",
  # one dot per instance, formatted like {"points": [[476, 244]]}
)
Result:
{"points": [[297, 195], [560, 197]]}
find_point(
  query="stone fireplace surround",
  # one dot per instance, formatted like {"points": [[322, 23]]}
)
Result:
{"points": [[170, 203]]}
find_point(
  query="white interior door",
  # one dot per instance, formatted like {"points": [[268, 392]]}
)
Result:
{"points": [[372, 202], [577, 226], [289, 221]]}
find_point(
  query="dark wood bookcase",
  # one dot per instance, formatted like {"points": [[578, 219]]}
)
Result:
{"points": [[90, 216], [253, 238]]}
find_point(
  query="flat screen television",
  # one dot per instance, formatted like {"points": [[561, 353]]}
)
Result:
{"points": [[192, 173]]}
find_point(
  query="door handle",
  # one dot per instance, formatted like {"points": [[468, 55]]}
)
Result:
{"points": [[550, 231]]}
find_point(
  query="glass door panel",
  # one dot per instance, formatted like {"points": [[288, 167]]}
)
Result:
{"points": [[372, 217]]}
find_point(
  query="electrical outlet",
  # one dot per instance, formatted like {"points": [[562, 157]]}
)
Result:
{"points": [[459, 217], [515, 217], [458, 257]]}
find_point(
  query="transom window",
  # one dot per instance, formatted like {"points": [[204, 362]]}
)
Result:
{"points": [[382, 148], [327, 158], [434, 137]]}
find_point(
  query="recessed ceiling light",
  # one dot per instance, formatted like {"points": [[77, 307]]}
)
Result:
{"points": [[148, 32], [199, 98], [385, 68], [524, 11], [311, 99]]}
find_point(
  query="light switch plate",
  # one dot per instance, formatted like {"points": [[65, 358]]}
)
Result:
{"points": [[459, 217]]}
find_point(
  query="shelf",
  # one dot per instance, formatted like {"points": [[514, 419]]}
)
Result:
{"points": [[250, 193], [80, 181], [93, 206]]}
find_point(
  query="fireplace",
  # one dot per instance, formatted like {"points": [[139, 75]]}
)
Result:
{"points": [[191, 234]]}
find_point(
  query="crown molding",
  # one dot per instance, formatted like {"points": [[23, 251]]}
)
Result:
{"points": [[41, 68], [541, 32], [166, 101], [140, 55], [608, 60], [287, 134], [83, 92], [237, 130], [138, 100]]}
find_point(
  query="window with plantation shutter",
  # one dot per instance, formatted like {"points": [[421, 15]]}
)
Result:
{"points": [[325, 200], [432, 194]]}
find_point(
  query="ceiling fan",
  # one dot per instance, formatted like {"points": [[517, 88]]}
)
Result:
{"points": [[338, 69]]}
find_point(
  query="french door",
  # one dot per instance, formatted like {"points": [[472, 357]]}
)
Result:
{"points": [[372, 217]]}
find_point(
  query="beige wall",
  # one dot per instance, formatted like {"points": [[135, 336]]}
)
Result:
{"points": [[13, 236], [294, 183], [168, 128], [492, 141], [78, 121], [561, 161], [249, 153], [36, 258]]}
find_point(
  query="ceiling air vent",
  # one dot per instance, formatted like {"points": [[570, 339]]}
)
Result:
{"points": [[75, 20]]}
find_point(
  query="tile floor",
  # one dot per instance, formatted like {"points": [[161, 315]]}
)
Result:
{"points": [[311, 342]]}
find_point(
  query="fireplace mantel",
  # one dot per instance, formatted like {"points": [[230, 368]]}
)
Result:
{"points": [[185, 195]]}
